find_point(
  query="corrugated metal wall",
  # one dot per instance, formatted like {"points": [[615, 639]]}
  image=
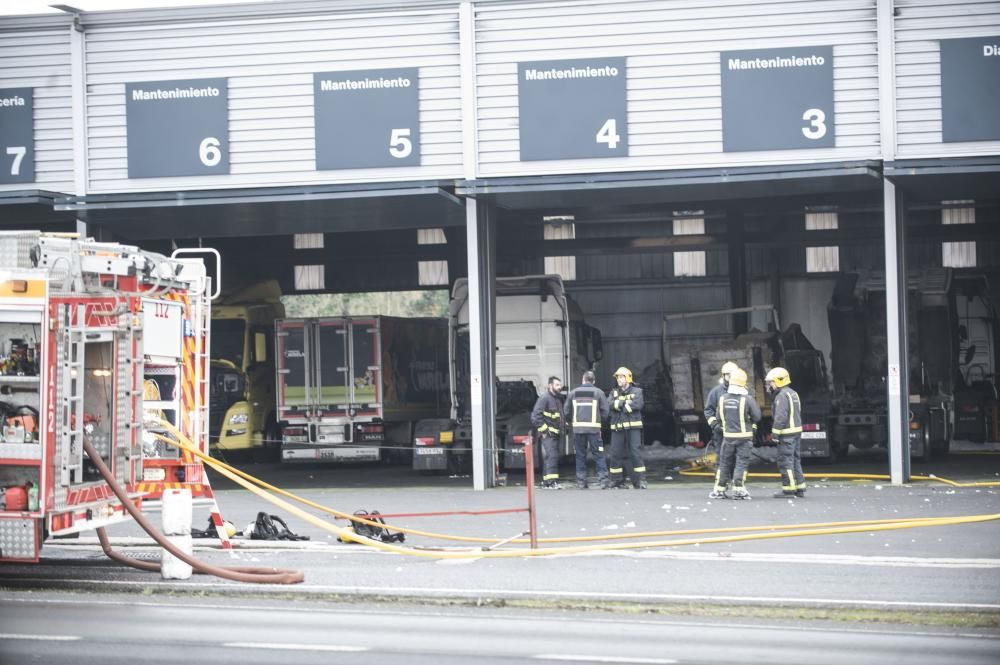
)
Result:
{"points": [[919, 26], [38, 56], [270, 63], [674, 94]]}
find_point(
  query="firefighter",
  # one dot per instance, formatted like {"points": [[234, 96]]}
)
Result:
{"points": [[626, 431], [712, 404], [586, 408], [547, 419], [739, 414], [787, 432]]}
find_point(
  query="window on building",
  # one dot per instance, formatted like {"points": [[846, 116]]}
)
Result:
{"points": [[310, 278], [308, 241], [689, 223], [560, 227], [431, 237], [432, 273], [822, 259], [958, 254]]}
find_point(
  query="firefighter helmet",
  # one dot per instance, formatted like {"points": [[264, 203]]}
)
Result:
{"points": [[624, 371], [779, 375], [728, 367], [738, 378]]}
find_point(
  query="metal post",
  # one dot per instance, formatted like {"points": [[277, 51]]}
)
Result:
{"points": [[897, 381], [480, 248], [529, 479]]}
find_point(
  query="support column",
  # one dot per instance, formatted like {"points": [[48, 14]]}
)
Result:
{"points": [[897, 381], [480, 222], [78, 79]]}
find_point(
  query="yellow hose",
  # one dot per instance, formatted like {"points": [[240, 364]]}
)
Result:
{"points": [[569, 539], [350, 535]]}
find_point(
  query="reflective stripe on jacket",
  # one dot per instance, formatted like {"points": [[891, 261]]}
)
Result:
{"points": [[787, 412], [547, 414], [626, 408], [739, 415], [586, 408]]}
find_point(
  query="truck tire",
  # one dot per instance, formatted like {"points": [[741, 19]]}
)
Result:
{"points": [[925, 455]]}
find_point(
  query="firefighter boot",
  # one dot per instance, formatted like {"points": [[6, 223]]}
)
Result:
{"points": [[740, 492], [719, 491], [801, 493], [784, 494]]}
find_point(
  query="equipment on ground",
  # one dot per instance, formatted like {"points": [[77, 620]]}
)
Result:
{"points": [[91, 330]]}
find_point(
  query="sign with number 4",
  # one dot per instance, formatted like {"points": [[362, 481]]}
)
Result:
{"points": [[572, 109]]}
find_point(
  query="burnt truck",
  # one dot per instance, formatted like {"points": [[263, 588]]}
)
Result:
{"points": [[859, 360], [693, 371], [540, 332], [350, 389]]}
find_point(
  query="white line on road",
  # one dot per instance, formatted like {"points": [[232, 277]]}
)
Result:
{"points": [[278, 646], [603, 659], [40, 638]]}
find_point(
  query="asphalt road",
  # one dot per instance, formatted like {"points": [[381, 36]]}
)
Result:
{"points": [[946, 567], [84, 630]]}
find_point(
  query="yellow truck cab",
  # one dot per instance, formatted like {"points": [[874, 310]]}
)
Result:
{"points": [[242, 414]]}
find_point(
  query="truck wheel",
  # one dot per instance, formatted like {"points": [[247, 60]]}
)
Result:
{"points": [[925, 454]]}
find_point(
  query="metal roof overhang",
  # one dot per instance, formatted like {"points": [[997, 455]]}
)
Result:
{"points": [[31, 208], [940, 179], [663, 187], [270, 211]]}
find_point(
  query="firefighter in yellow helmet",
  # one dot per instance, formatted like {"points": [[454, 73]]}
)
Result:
{"points": [[626, 431], [739, 414], [712, 404], [787, 432]]}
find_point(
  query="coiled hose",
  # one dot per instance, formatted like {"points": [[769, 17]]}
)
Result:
{"points": [[236, 574]]}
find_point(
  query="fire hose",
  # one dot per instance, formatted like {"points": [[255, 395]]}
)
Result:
{"points": [[237, 574], [755, 533]]}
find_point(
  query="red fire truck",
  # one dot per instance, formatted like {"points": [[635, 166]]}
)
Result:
{"points": [[98, 342]]}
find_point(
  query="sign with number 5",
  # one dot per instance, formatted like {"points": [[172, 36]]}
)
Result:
{"points": [[367, 118]]}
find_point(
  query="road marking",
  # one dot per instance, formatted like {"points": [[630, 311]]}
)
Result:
{"points": [[277, 646], [604, 659], [40, 638]]}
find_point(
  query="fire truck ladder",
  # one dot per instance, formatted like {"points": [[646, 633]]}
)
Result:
{"points": [[71, 409]]}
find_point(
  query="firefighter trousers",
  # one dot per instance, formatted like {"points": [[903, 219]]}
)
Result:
{"points": [[550, 459], [790, 463], [582, 442], [626, 444], [734, 459]]}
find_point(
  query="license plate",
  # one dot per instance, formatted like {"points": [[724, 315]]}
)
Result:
{"points": [[362, 454], [430, 451], [813, 435]]}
